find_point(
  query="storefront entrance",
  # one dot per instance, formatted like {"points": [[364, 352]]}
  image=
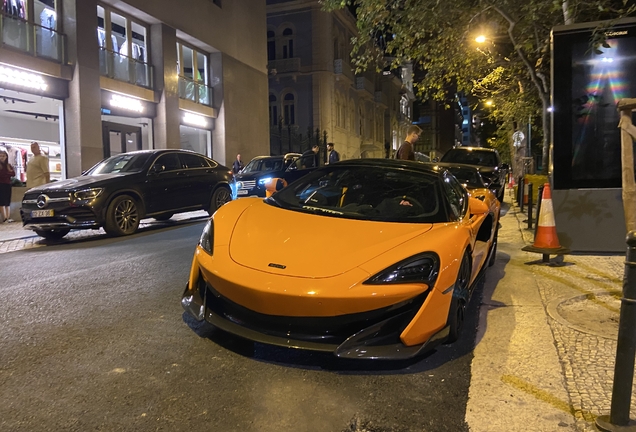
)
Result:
{"points": [[120, 138]]}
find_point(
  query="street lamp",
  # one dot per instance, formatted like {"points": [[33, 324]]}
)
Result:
{"points": [[480, 39]]}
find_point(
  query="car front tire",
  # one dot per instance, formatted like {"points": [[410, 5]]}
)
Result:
{"points": [[53, 234], [220, 196], [122, 216], [457, 310]]}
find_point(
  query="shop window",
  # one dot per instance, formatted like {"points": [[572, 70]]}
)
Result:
{"points": [[123, 48], [271, 46], [288, 43], [19, 26], [273, 110], [289, 109], [193, 71]]}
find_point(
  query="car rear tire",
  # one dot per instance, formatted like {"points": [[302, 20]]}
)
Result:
{"points": [[122, 216], [163, 217], [220, 196], [493, 250], [53, 234], [457, 310], [501, 195]]}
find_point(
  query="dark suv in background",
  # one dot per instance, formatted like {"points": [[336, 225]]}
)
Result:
{"points": [[252, 181], [488, 162], [120, 191]]}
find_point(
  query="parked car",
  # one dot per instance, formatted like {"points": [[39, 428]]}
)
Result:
{"points": [[254, 179], [120, 191], [487, 160], [407, 245]]}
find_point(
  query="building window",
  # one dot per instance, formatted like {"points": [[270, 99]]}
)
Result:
{"points": [[352, 116], [123, 51], [273, 110], [288, 43], [192, 68], [289, 109], [271, 45], [360, 122]]}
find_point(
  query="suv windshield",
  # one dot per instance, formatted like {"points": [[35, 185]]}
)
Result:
{"points": [[468, 177], [124, 162], [366, 192], [471, 157], [264, 164]]}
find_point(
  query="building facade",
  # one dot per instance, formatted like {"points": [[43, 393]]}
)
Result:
{"points": [[441, 127], [89, 79], [315, 93]]}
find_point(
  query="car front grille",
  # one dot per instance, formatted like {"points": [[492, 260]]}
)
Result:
{"points": [[330, 330], [248, 184]]}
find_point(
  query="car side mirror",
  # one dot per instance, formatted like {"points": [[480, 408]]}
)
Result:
{"points": [[505, 167], [435, 159], [477, 207], [156, 169]]}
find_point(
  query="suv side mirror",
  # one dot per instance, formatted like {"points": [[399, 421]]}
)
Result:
{"points": [[156, 169], [505, 167]]}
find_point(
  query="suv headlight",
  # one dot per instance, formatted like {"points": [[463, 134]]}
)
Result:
{"points": [[265, 180], [88, 194], [207, 237], [422, 268]]}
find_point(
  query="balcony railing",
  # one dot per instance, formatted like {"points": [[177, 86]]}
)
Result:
{"points": [[195, 91], [364, 84], [284, 65], [123, 68], [341, 67], [32, 38]]}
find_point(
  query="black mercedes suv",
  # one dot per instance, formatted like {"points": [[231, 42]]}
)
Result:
{"points": [[120, 191], [488, 162]]}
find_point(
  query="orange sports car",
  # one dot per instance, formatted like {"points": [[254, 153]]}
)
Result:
{"points": [[366, 258]]}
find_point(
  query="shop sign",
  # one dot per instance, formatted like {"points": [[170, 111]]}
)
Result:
{"points": [[127, 103], [195, 120], [22, 78]]}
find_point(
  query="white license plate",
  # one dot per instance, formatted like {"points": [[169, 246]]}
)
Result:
{"points": [[41, 213], [242, 192]]}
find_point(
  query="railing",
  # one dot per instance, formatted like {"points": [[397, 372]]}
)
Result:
{"points": [[284, 65], [364, 84], [380, 97], [195, 91], [32, 38], [341, 67], [123, 68]]}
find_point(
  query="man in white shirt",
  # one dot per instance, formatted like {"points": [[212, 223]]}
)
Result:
{"points": [[37, 168]]}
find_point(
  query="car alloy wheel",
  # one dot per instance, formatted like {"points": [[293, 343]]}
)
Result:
{"points": [[457, 310], [220, 196], [122, 216]]}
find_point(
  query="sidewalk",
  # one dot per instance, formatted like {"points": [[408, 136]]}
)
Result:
{"points": [[546, 343]]}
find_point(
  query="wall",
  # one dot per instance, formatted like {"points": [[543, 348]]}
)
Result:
{"points": [[32, 130]]}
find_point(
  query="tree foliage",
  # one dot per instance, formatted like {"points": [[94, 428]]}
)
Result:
{"points": [[438, 37]]}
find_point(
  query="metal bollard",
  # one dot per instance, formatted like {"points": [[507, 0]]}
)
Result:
{"points": [[520, 190], [529, 206], [625, 349], [539, 199]]}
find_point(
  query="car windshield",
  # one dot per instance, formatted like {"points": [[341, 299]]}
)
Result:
{"points": [[471, 157], [470, 178], [365, 192], [264, 164], [121, 163]]}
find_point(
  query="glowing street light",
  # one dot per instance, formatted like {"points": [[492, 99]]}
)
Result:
{"points": [[480, 39], [489, 102]]}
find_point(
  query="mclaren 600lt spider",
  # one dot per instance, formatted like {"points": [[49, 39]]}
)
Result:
{"points": [[367, 258]]}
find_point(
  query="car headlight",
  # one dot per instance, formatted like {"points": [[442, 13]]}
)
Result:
{"points": [[207, 237], [239, 185], [422, 267], [88, 194], [265, 180]]}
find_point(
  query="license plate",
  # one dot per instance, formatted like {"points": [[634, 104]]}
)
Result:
{"points": [[242, 192], [41, 213]]}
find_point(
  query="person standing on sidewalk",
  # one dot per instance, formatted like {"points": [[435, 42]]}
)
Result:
{"points": [[6, 172], [238, 164], [406, 150], [333, 156], [37, 168]]}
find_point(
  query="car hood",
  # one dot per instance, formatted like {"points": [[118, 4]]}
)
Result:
{"points": [[258, 175], [268, 239], [81, 182]]}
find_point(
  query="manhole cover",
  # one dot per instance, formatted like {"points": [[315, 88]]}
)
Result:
{"points": [[596, 313]]}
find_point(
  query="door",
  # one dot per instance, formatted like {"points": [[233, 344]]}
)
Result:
{"points": [[120, 138], [168, 185]]}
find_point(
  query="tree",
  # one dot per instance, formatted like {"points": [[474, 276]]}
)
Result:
{"points": [[439, 38]]}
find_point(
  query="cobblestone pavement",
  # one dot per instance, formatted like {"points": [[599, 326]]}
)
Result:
{"points": [[13, 237], [582, 298]]}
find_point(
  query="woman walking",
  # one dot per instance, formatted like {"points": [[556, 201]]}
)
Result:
{"points": [[6, 172]]}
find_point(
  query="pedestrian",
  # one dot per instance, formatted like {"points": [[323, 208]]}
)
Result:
{"points": [[406, 150], [310, 157], [238, 164], [333, 156], [37, 168], [6, 172]]}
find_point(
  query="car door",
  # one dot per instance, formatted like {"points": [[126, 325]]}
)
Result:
{"points": [[201, 178], [168, 185]]}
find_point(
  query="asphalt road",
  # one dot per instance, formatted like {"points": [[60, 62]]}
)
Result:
{"points": [[93, 337]]}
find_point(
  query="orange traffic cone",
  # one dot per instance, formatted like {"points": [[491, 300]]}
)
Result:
{"points": [[525, 191], [511, 181], [546, 241]]}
